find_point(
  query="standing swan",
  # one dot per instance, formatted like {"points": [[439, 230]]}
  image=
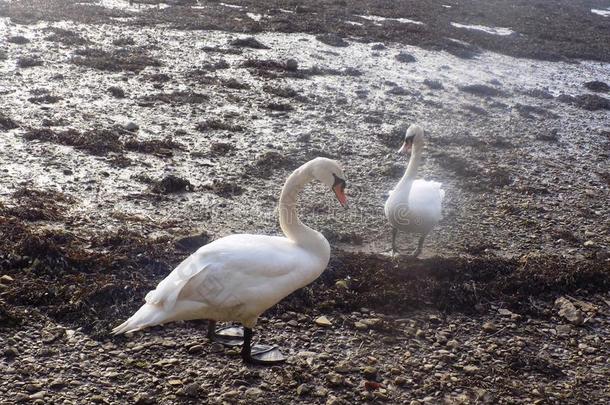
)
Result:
{"points": [[239, 277], [414, 206]]}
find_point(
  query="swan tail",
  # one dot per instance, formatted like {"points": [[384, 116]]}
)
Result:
{"points": [[148, 315]]}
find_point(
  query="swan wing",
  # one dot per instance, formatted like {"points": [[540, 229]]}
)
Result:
{"points": [[250, 270], [426, 197]]}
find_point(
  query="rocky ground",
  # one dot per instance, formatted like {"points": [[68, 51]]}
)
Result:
{"points": [[132, 134]]}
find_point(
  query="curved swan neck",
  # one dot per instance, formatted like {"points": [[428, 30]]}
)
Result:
{"points": [[411, 171], [290, 223]]}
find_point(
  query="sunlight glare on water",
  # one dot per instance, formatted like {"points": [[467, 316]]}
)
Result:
{"points": [[377, 18], [603, 13], [488, 30]]}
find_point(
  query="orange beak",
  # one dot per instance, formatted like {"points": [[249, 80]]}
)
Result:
{"points": [[406, 148], [339, 190]]}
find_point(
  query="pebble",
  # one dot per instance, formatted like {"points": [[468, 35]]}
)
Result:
{"points": [[563, 330], [131, 126], [196, 349], [333, 400], [143, 399], [343, 367], [190, 390], [489, 327], [303, 389], [323, 321], [568, 311], [38, 395], [253, 392], [400, 380], [371, 322], [369, 372], [11, 352], [6, 279], [360, 325], [56, 384], [292, 65], [334, 379], [470, 369], [320, 392]]}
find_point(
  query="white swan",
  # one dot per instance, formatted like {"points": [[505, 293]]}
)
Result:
{"points": [[238, 277], [414, 206]]}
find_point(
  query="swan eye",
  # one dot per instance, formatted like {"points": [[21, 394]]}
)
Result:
{"points": [[338, 182], [409, 139]]}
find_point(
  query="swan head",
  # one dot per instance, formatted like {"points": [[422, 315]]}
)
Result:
{"points": [[329, 173], [414, 139]]}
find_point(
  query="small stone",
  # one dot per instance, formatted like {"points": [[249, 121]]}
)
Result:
{"points": [[333, 400], [433, 84], [57, 384], [191, 390], [586, 348], [371, 322], [382, 396], [405, 57], [230, 394], [489, 327], [369, 372], [334, 379], [6, 279], [195, 349], [343, 367], [175, 382], [98, 399], [568, 311], [320, 392], [143, 399], [400, 380], [342, 284], [504, 312], [253, 392], [292, 65], [360, 325], [563, 330], [589, 243], [131, 126], [116, 91], [453, 344], [303, 389], [470, 369], [322, 321], [11, 352], [38, 395]]}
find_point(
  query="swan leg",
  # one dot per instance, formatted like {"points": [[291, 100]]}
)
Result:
{"points": [[259, 354], [420, 246], [229, 336], [394, 248]]}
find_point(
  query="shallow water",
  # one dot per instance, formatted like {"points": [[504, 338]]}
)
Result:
{"points": [[488, 30], [377, 18], [603, 13]]}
